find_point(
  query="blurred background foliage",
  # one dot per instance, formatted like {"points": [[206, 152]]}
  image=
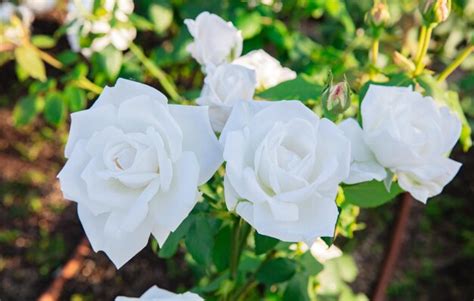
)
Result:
{"points": [[43, 80]]}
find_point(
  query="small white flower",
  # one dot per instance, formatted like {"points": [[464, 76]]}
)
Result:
{"points": [[215, 41], [10, 32], [408, 134], [227, 85], [134, 164], [284, 165], [269, 70], [83, 22], [157, 294], [40, 6]]}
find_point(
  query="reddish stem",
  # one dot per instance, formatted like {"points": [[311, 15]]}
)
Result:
{"points": [[394, 249]]}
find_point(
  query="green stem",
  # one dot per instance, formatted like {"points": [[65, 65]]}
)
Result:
{"points": [[421, 38], [157, 72], [235, 253], [374, 54], [419, 66], [454, 64], [86, 84]]}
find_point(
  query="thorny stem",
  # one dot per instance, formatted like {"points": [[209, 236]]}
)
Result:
{"points": [[423, 48], [168, 85], [454, 64]]}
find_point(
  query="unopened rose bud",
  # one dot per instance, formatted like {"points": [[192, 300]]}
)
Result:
{"points": [[436, 11], [336, 98], [379, 14], [403, 62]]}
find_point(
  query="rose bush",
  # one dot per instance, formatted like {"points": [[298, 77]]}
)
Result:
{"points": [[284, 165], [408, 134], [134, 164]]}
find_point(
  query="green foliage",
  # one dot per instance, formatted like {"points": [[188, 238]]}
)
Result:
{"points": [[276, 270], [54, 108], [300, 88], [29, 61], [264, 243], [370, 194]]}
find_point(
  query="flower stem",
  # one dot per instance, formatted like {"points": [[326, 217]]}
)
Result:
{"points": [[423, 48], [374, 54], [239, 238], [50, 59], [421, 38], [157, 72], [454, 64], [86, 84]]}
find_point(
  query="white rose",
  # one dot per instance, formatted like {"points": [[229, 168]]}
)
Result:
{"points": [[284, 165], [134, 164], [227, 85], [269, 70], [323, 253], [157, 294], [364, 167], [215, 41], [408, 134]]}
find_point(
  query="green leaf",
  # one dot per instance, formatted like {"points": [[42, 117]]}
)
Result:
{"points": [[310, 264], [298, 89], [161, 15], [110, 59], [297, 289], [276, 271], [169, 248], [222, 248], [370, 194], [25, 110], [199, 240], [141, 23], [43, 41], [29, 60], [250, 24], [76, 98], [68, 57], [264, 243], [54, 109]]}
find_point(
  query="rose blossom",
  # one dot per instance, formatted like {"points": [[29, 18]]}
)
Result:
{"points": [[284, 165], [157, 294], [408, 134], [227, 85], [269, 70], [134, 164], [215, 40]]}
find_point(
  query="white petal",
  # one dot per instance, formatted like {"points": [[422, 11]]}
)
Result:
{"points": [[118, 249], [199, 138], [170, 208], [428, 180], [85, 123], [72, 186], [125, 89], [364, 166]]}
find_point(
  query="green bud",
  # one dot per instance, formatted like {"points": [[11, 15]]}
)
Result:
{"points": [[436, 11], [336, 98], [379, 15]]}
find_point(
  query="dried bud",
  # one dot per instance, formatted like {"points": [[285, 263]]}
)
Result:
{"points": [[436, 11], [379, 15], [336, 98]]}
